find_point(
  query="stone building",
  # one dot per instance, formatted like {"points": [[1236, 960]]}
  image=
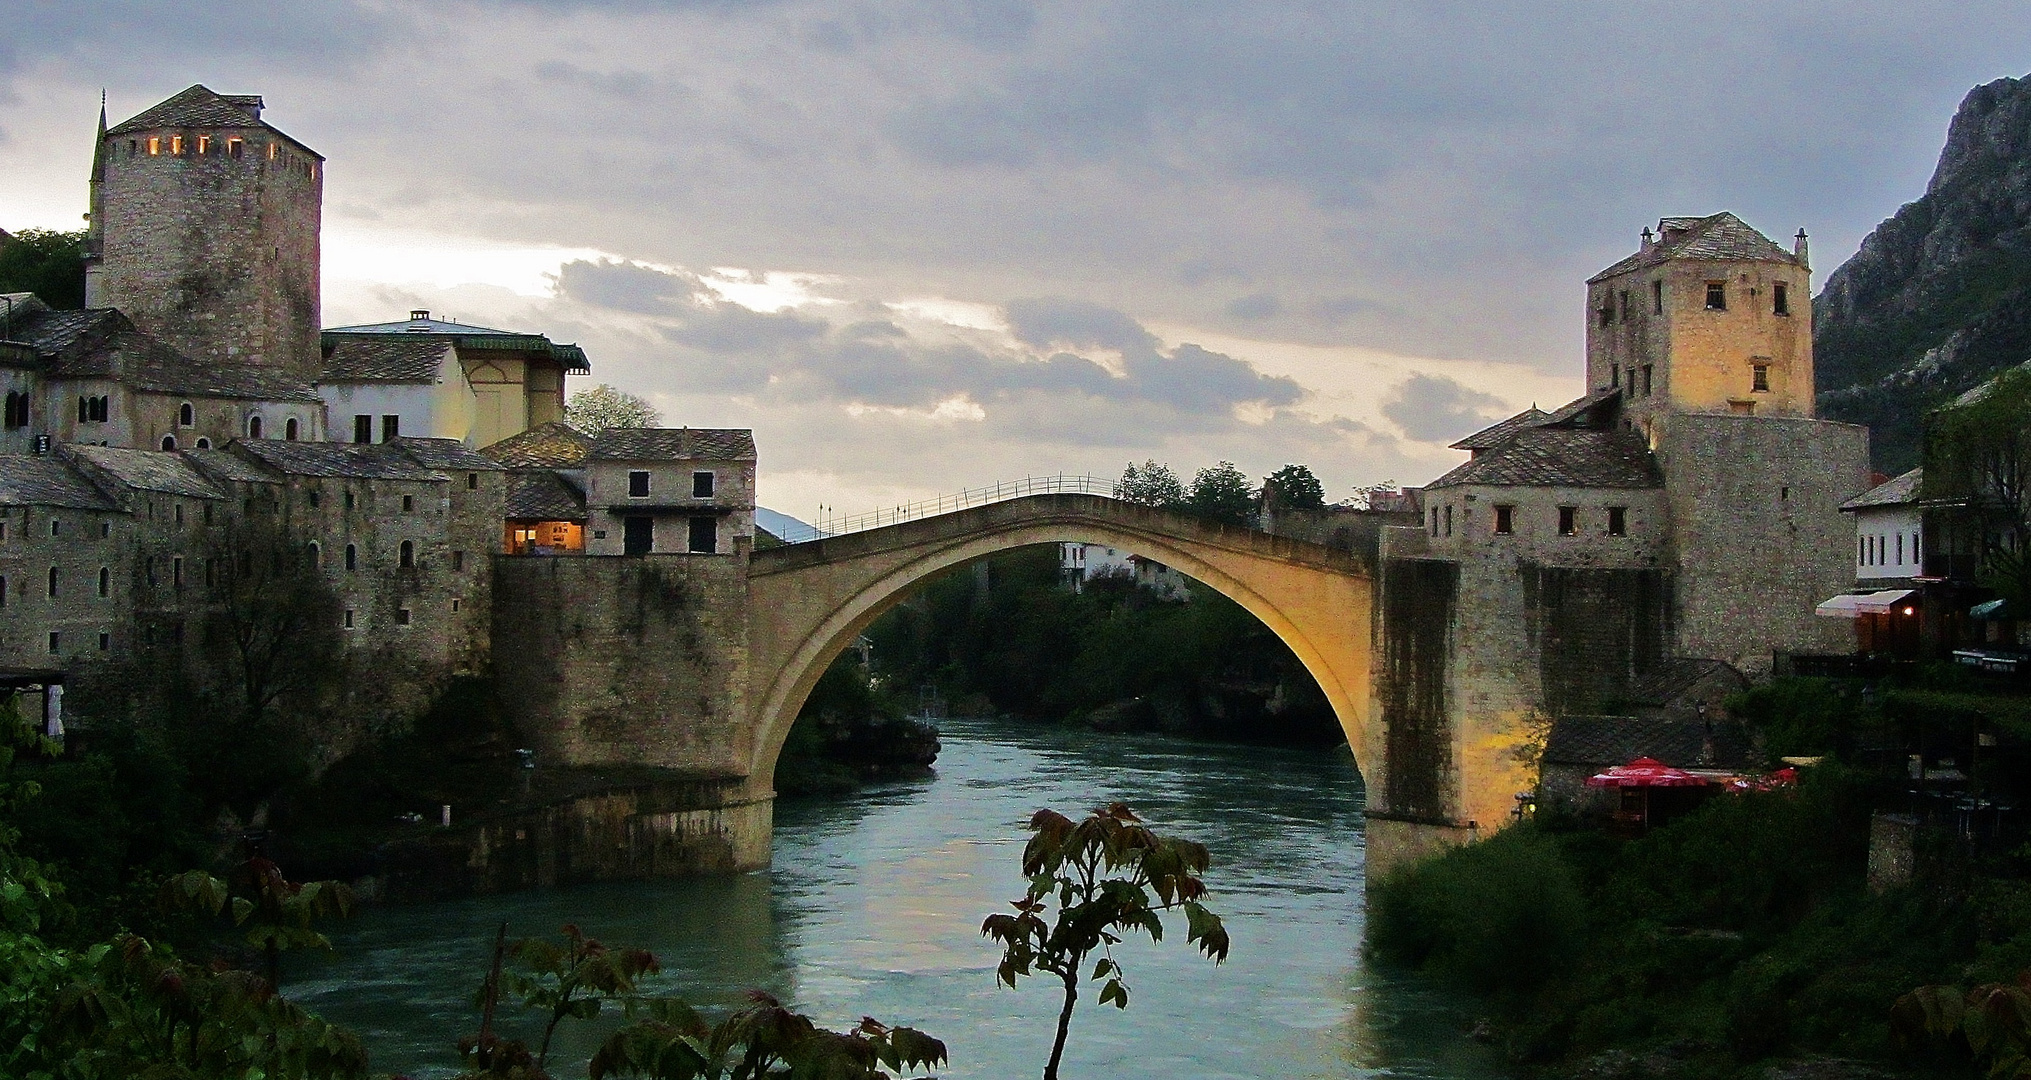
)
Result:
{"points": [[1685, 509], [204, 231], [660, 490], [546, 489], [442, 379]]}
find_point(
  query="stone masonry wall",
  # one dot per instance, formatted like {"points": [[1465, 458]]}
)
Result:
{"points": [[1760, 538], [627, 660], [216, 255]]}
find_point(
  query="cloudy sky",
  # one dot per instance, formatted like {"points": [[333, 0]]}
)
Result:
{"points": [[920, 245]]}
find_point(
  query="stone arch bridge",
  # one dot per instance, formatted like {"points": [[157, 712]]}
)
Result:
{"points": [[658, 690]]}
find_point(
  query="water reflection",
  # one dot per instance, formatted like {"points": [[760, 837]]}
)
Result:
{"points": [[874, 906]]}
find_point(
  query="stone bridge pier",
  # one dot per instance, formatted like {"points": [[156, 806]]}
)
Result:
{"points": [[662, 687]]}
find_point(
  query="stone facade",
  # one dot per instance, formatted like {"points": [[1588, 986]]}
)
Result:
{"points": [[204, 231], [667, 490], [1709, 316]]}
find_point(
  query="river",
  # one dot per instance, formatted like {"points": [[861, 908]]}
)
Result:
{"points": [[874, 903]]}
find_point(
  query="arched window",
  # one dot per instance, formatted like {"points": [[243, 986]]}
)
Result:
{"points": [[289, 430], [316, 554], [84, 409], [253, 427], [352, 557], [52, 581], [204, 444], [169, 442], [187, 415], [408, 553], [105, 581]]}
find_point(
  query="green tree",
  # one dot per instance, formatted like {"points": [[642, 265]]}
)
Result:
{"points": [[46, 262], [764, 1039], [1221, 493], [1152, 484], [1978, 468], [1099, 875], [277, 913], [593, 411], [1293, 487], [573, 980]]}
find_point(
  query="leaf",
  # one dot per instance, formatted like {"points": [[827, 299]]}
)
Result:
{"points": [[1114, 992]]}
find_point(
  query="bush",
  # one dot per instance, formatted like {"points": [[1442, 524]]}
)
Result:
{"points": [[1502, 915]]}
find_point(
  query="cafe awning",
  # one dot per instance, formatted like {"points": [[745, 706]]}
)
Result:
{"points": [[1850, 605], [1646, 773], [1992, 609]]}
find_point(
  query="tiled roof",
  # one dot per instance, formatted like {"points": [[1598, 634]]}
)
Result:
{"points": [[1718, 236], [1902, 491], [227, 467], [467, 337], [364, 358], [443, 454], [555, 445], [356, 460], [31, 480], [195, 107], [1581, 411], [147, 470], [1490, 436], [1561, 457], [1665, 684], [1607, 741], [101, 343], [542, 495], [61, 337], [673, 444]]}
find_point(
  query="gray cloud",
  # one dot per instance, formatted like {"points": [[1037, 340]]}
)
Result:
{"points": [[1254, 306], [1433, 408]]}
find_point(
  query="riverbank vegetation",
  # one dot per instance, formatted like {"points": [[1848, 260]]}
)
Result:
{"points": [[1746, 932]]}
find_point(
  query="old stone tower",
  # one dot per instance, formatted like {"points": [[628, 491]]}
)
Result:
{"points": [[204, 232], [1708, 316]]}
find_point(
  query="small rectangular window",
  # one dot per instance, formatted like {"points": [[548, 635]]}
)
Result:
{"points": [[1449, 521], [1780, 299], [458, 560], [1618, 521], [391, 427], [154, 145], [638, 484], [1607, 314], [176, 572], [363, 428], [204, 144], [1759, 378], [1717, 296], [55, 641], [349, 618], [1646, 379], [1435, 525], [176, 145], [1505, 520], [1624, 303], [1657, 298], [1569, 521], [701, 485], [235, 147], [105, 641], [401, 616], [1614, 375], [704, 535], [408, 503], [472, 481], [454, 606]]}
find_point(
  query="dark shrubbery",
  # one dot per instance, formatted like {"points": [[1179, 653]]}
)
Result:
{"points": [[1504, 915]]}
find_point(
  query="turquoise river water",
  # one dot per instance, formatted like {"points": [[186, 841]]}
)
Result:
{"points": [[874, 903]]}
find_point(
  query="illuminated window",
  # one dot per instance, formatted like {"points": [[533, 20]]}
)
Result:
{"points": [[154, 145], [204, 145], [176, 145], [235, 147], [272, 150]]}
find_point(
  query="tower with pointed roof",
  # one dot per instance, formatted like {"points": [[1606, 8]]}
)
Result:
{"points": [[204, 231], [1708, 316]]}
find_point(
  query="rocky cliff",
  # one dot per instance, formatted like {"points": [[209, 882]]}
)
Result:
{"points": [[1939, 296]]}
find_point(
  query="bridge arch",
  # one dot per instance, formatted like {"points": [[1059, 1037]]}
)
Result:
{"points": [[808, 602]]}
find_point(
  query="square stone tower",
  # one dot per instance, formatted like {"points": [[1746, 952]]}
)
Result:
{"points": [[204, 232], [1708, 316]]}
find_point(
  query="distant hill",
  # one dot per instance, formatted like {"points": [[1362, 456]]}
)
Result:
{"points": [[1938, 299], [782, 526]]}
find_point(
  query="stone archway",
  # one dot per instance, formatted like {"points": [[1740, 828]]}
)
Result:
{"points": [[808, 602]]}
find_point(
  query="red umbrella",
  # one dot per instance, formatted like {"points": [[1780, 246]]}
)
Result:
{"points": [[1645, 773]]}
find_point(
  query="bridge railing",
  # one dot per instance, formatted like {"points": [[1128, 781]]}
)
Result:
{"points": [[1060, 484]]}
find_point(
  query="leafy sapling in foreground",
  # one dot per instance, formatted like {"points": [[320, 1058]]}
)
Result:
{"points": [[1097, 880]]}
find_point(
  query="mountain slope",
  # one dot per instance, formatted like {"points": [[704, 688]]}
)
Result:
{"points": [[1939, 296]]}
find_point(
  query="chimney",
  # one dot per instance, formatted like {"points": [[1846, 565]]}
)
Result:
{"points": [[419, 319], [1648, 239], [1798, 245]]}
